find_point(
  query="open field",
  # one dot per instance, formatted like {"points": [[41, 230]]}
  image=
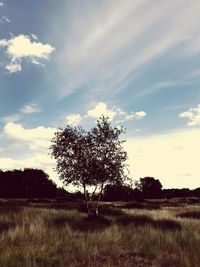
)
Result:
{"points": [[57, 234]]}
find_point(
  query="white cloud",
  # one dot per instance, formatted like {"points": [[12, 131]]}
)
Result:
{"points": [[35, 138], [192, 115], [135, 115], [101, 109], [30, 108], [114, 113], [23, 46], [8, 163], [1, 3], [73, 119], [3, 42], [140, 114], [169, 157], [13, 67]]}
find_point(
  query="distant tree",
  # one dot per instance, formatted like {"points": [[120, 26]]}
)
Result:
{"points": [[149, 187], [176, 192], [117, 192], [196, 192], [37, 183], [90, 159]]}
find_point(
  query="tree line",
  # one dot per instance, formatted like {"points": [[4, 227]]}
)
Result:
{"points": [[35, 183], [146, 188], [28, 183]]}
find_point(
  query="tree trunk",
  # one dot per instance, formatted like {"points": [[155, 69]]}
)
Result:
{"points": [[92, 209], [91, 204], [99, 198]]}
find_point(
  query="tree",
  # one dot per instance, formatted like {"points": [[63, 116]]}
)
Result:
{"points": [[117, 192], [90, 159], [150, 187]]}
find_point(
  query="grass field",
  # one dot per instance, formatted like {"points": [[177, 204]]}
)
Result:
{"points": [[48, 233]]}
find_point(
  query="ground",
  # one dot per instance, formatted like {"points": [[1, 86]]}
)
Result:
{"points": [[48, 233]]}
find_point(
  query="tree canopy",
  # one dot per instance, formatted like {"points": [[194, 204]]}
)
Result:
{"points": [[149, 186]]}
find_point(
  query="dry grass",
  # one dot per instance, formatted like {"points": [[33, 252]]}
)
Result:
{"points": [[32, 236]]}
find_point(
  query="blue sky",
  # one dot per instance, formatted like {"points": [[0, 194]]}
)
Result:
{"points": [[68, 62]]}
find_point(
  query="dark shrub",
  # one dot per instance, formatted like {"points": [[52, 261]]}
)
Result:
{"points": [[141, 220], [91, 224], [190, 215], [5, 226], [136, 220], [110, 211], [167, 224], [139, 205]]}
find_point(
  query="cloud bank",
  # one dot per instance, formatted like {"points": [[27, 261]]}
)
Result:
{"points": [[172, 157]]}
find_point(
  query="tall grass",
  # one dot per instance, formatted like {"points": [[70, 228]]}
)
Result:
{"points": [[49, 237]]}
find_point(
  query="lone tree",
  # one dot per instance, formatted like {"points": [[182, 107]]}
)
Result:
{"points": [[90, 159]]}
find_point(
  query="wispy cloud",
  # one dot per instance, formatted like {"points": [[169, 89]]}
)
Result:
{"points": [[4, 19], [11, 118], [26, 109], [31, 108], [127, 36]]}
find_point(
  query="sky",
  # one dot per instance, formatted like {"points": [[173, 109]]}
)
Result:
{"points": [[70, 61]]}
